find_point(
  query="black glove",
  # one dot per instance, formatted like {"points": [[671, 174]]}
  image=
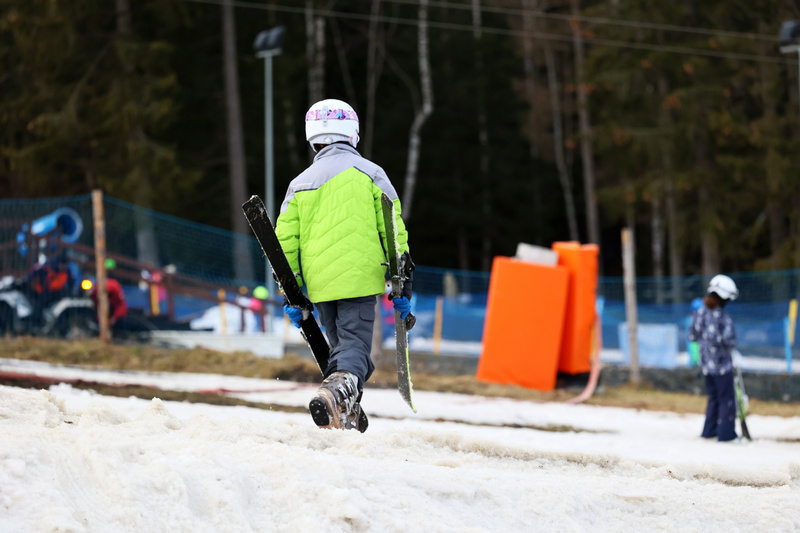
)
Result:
{"points": [[407, 269]]}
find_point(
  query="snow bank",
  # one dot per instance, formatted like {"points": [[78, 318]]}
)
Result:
{"points": [[71, 461]]}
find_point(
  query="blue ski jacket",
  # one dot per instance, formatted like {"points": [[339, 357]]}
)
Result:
{"points": [[713, 330]]}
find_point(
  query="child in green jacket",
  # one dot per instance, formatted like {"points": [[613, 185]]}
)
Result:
{"points": [[331, 228]]}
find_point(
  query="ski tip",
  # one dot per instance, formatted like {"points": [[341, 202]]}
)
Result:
{"points": [[255, 204], [254, 199]]}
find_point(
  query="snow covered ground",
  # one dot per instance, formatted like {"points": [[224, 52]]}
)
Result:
{"points": [[74, 461]]}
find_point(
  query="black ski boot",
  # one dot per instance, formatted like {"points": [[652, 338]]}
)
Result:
{"points": [[336, 404]]}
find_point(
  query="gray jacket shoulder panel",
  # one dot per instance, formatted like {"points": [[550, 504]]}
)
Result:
{"points": [[331, 161]]}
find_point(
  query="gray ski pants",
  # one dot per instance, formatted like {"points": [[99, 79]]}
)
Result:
{"points": [[348, 324]]}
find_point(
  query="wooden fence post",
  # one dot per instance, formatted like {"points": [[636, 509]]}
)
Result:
{"points": [[631, 314], [438, 318], [100, 264]]}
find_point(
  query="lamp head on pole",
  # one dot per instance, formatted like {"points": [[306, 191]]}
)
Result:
{"points": [[788, 36], [268, 42]]}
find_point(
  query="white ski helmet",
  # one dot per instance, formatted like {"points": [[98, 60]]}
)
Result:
{"points": [[329, 121], [724, 287]]}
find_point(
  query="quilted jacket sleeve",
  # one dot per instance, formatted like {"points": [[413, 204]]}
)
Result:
{"points": [[288, 231]]}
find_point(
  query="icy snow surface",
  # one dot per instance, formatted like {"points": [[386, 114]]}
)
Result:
{"points": [[74, 461]]}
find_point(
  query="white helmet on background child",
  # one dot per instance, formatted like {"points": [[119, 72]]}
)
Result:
{"points": [[329, 121], [724, 287]]}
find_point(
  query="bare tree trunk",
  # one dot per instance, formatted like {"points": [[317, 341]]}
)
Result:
{"points": [[369, 134], [775, 180], [558, 141], [531, 6], [310, 53], [315, 54], [341, 54], [657, 236], [373, 74], [242, 262], [291, 138], [462, 242], [528, 25], [483, 140], [569, 125], [709, 245], [124, 17], [708, 237], [630, 213], [592, 220], [457, 175], [422, 113], [675, 257], [673, 222], [146, 242], [319, 59]]}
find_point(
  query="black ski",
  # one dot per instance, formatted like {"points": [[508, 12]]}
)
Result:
{"points": [[257, 216], [397, 271]]}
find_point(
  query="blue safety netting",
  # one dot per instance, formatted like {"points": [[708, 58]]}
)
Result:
{"points": [[216, 258]]}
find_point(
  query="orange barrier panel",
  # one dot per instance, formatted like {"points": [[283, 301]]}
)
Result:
{"points": [[524, 319], [576, 346]]}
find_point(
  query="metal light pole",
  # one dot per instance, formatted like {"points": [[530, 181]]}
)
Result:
{"points": [[788, 42], [268, 44]]}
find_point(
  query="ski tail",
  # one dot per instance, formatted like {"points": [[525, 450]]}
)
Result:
{"points": [[742, 401], [401, 326]]}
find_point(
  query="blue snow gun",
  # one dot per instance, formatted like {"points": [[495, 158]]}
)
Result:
{"points": [[64, 218]]}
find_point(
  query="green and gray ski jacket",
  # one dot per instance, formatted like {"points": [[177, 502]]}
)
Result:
{"points": [[331, 225]]}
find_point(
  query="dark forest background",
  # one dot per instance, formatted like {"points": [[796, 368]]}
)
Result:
{"points": [[537, 121]]}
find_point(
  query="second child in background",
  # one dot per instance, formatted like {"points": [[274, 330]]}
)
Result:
{"points": [[712, 328]]}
